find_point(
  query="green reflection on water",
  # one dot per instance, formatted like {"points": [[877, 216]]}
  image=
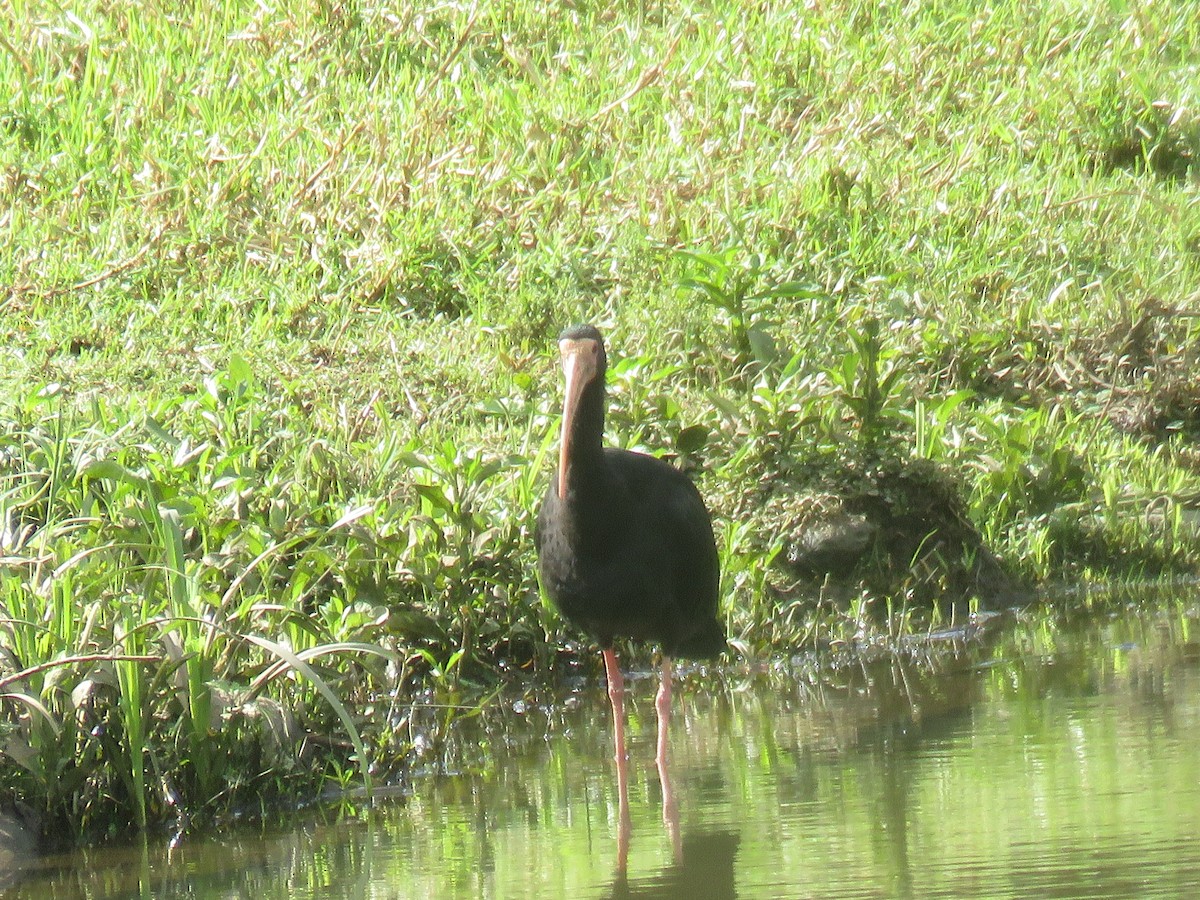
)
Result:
{"points": [[1061, 762]]}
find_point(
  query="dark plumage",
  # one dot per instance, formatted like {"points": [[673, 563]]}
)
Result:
{"points": [[627, 550]]}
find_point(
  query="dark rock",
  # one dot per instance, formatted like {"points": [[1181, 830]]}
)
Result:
{"points": [[900, 527], [832, 545]]}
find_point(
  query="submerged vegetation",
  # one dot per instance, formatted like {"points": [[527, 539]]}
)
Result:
{"points": [[277, 304]]}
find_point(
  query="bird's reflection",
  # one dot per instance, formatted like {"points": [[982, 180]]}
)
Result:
{"points": [[704, 859], [670, 810], [704, 868], [670, 807]]}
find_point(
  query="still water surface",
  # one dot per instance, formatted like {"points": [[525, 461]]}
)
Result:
{"points": [[1058, 762]]}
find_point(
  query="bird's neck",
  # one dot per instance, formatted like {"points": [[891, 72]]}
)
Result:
{"points": [[586, 472], [586, 469]]}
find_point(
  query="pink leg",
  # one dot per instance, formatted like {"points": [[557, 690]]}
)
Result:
{"points": [[616, 696], [670, 809]]}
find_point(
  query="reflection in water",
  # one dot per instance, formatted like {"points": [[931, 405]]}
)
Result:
{"points": [[1057, 764], [704, 869], [16, 849]]}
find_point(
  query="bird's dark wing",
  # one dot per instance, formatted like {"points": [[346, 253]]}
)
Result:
{"points": [[677, 544], [694, 551]]}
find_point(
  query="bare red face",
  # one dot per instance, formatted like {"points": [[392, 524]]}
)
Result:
{"points": [[580, 356]]}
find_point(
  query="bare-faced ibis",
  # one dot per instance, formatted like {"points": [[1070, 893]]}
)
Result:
{"points": [[625, 549]]}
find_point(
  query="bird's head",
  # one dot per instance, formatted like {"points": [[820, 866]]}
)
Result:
{"points": [[582, 350]]}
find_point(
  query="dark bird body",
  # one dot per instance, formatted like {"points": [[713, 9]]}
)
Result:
{"points": [[625, 545], [626, 550], [630, 553]]}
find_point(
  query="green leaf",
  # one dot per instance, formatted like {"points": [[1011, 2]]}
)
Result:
{"points": [[951, 403], [762, 345], [106, 468], [240, 373], [435, 496], [801, 290], [692, 439]]}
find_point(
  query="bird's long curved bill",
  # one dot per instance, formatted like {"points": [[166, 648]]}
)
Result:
{"points": [[579, 367]]}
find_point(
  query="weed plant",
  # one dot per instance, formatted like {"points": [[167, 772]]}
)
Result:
{"points": [[278, 297]]}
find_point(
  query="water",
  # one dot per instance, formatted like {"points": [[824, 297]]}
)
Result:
{"points": [[1058, 763]]}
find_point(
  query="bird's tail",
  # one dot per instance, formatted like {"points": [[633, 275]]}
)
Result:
{"points": [[704, 643]]}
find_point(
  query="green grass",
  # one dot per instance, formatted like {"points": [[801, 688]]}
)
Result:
{"points": [[278, 295]]}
